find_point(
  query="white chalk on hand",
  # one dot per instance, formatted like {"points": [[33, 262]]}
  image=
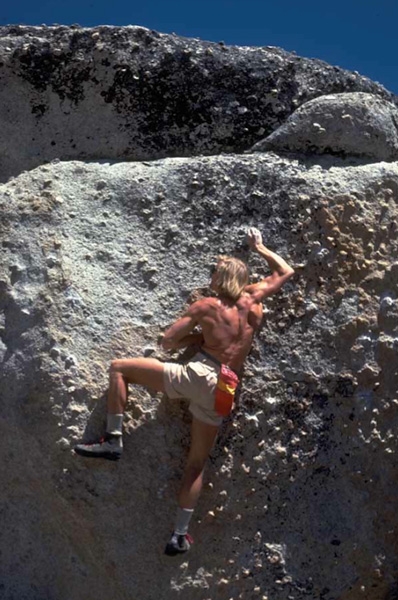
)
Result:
{"points": [[253, 232]]}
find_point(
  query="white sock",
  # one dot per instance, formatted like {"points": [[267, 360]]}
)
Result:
{"points": [[114, 424], [182, 520]]}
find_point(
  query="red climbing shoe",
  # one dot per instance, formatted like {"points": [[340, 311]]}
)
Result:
{"points": [[109, 447]]}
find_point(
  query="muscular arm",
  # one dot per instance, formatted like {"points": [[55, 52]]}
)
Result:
{"points": [[281, 271], [179, 334]]}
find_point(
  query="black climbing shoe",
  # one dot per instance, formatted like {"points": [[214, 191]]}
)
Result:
{"points": [[178, 544], [109, 447]]}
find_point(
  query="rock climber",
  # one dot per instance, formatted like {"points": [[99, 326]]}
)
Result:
{"points": [[223, 327]]}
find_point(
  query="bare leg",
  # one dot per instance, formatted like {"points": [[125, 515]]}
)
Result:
{"points": [[144, 371], [202, 440]]}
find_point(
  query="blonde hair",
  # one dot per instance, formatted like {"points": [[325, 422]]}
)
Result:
{"points": [[232, 276]]}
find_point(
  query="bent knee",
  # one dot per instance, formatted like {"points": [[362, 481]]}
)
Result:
{"points": [[116, 366]]}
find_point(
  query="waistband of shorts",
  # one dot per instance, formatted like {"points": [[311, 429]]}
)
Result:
{"points": [[215, 360]]}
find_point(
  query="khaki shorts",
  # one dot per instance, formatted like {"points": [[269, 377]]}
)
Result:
{"points": [[196, 381]]}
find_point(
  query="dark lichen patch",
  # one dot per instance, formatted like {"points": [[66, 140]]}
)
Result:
{"points": [[38, 64], [345, 386], [188, 94], [15, 30], [39, 109], [44, 65]]}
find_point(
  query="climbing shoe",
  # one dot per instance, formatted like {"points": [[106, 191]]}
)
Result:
{"points": [[178, 544], [110, 447]]}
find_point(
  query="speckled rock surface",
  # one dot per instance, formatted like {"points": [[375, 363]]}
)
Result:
{"points": [[348, 124], [98, 257], [300, 495], [131, 93]]}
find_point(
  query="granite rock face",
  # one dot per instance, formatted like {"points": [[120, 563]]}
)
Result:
{"points": [[97, 259], [352, 124], [131, 93]]}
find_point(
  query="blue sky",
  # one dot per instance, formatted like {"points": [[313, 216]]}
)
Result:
{"points": [[359, 35]]}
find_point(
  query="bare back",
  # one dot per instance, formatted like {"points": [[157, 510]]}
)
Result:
{"points": [[228, 327]]}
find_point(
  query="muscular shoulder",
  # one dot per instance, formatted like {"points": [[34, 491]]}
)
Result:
{"points": [[201, 307], [253, 309]]}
